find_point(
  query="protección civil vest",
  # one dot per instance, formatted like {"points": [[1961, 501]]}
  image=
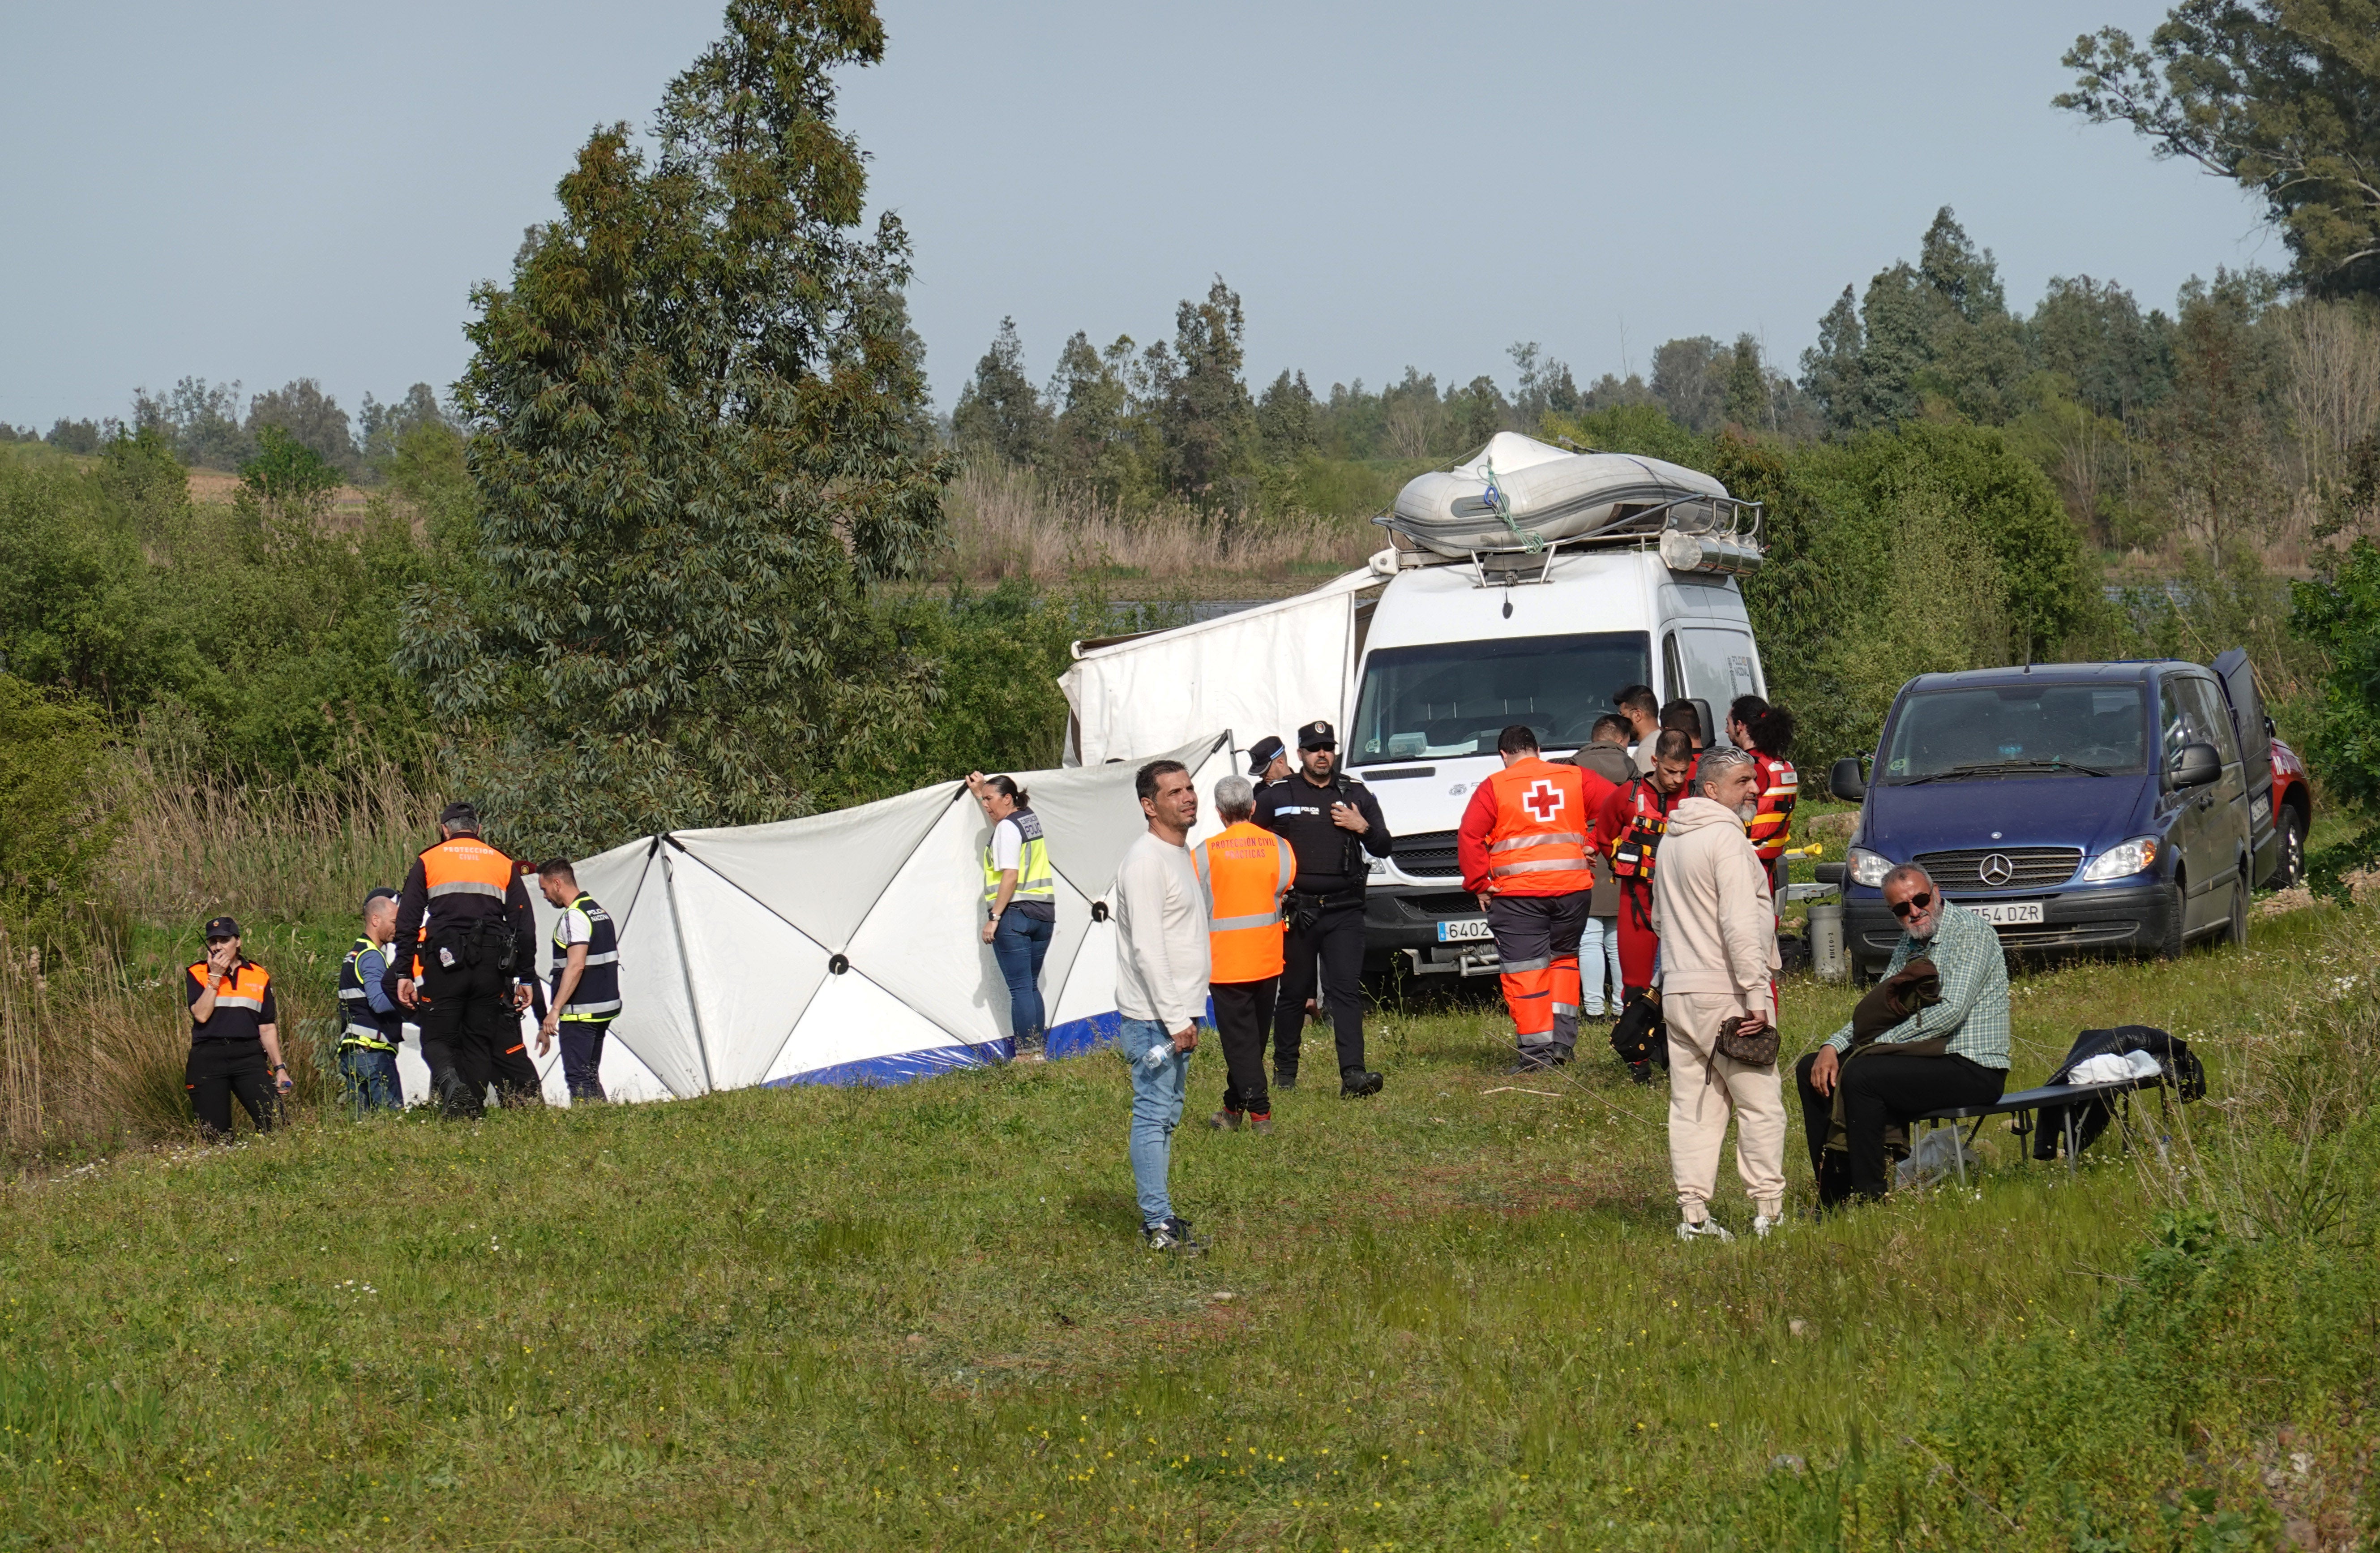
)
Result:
{"points": [[1035, 878], [1538, 844], [596, 996], [465, 869], [363, 1026], [1244, 870], [244, 995]]}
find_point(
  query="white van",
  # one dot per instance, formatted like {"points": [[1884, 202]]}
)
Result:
{"points": [[1455, 654], [1422, 658]]}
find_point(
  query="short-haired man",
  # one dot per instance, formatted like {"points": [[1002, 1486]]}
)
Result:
{"points": [[371, 1026], [1160, 918], [1603, 756], [1523, 851], [1687, 718], [586, 972], [235, 1036], [1244, 871], [1642, 710], [1629, 829], [1331, 822], [1947, 1054], [1712, 908]]}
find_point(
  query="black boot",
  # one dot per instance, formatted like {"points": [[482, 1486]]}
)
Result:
{"points": [[1355, 1083], [1284, 1077]]}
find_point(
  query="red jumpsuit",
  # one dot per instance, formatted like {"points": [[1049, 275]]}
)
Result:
{"points": [[1628, 830]]}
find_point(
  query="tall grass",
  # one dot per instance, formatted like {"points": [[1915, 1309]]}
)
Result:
{"points": [[1006, 522]]}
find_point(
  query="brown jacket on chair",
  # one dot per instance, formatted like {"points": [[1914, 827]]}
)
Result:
{"points": [[1886, 1004]]}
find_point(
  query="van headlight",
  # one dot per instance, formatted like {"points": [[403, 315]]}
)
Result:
{"points": [[2123, 862], [1869, 867]]}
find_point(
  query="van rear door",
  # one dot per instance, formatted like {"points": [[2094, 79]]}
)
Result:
{"points": [[2247, 709]]}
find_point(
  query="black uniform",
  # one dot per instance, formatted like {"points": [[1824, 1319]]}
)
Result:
{"points": [[480, 943], [1325, 910]]}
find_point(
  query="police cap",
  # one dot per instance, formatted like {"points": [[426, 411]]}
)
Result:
{"points": [[1317, 735], [1263, 753], [222, 928]]}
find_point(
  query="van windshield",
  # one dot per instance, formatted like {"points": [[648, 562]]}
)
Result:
{"points": [[1455, 697], [2016, 729]]}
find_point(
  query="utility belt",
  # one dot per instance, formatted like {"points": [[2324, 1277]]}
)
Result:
{"points": [[471, 942], [1306, 907]]}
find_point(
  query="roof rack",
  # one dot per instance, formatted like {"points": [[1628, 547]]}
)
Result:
{"points": [[1693, 533]]}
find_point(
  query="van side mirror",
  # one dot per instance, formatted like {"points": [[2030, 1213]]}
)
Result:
{"points": [[2196, 766], [1847, 781]]}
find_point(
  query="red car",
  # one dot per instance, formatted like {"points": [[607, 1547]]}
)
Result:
{"points": [[2289, 809]]}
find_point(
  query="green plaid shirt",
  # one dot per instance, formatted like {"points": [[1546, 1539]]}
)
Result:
{"points": [[1974, 1008]]}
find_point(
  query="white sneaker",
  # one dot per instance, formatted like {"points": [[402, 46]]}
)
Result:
{"points": [[1703, 1230], [1762, 1223]]}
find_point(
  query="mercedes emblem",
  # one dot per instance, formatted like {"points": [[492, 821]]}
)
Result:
{"points": [[1996, 869]]}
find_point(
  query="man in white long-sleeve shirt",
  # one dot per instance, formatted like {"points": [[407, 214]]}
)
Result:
{"points": [[1160, 916]]}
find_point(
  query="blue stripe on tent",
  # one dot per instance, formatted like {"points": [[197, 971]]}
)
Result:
{"points": [[1076, 1036], [903, 1066]]}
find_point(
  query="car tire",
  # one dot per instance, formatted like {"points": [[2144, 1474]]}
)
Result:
{"points": [[2170, 945], [2236, 934], [2290, 867]]}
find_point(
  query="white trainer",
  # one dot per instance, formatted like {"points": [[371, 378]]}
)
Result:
{"points": [[1702, 1229], [1762, 1223]]}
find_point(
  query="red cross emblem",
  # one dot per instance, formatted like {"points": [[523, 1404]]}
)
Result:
{"points": [[1542, 799]]}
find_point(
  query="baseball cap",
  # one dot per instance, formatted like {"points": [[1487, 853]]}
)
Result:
{"points": [[1317, 735], [459, 814], [1263, 753], [223, 927]]}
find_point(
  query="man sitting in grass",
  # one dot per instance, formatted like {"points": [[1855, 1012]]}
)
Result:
{"points": [[1950, 1053]]}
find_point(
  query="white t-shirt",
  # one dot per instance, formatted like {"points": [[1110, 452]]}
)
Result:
{"points": [[1008, 845], [573, 928], [1160, 917]]}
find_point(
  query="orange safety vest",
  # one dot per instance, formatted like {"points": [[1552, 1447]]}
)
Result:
{"points": [[1538, 845], [1772, 826], [464, 866], [243, 989], [1243, 872]]}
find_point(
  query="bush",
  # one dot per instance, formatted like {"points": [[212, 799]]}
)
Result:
{"points": [[2340, 612], [56, 824]]}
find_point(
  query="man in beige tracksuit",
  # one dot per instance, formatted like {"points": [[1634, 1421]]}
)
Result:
{"points": [[1711, 907]]}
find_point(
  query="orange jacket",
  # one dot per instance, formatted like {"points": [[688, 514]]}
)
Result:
{"points": [[1525, 832], [1243, 872], [1772, 828]]}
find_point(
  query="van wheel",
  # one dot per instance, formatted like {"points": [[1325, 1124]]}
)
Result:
{"points": [[2291, 865], [2170, 946], [2237, 933]]}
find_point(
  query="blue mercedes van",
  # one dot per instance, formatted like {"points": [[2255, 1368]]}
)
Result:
{"points": [[2075, 805]]}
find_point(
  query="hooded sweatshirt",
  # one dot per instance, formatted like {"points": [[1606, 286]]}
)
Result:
{"points": [[1712, 908]]}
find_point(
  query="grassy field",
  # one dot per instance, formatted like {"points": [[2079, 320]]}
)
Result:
{"points": [[1452, 1316]]}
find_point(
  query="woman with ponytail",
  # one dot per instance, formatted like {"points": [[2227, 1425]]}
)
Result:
{"points": [[1020, 900]]}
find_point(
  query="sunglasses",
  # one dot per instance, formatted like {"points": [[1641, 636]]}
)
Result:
{"points": [[1916, 904], [1326, 748]]}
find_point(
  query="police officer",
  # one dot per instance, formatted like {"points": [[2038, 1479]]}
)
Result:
{"points": [[474, 949], [586, 980], [371, 1026], [235, 1036], [1246, 872], [1522, 846], [1330, 821], [1268, 761]]}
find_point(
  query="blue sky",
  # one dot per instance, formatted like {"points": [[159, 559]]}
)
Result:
{"points": [[272, 191]]}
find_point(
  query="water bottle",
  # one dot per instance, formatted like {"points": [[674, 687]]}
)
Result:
{"points": [[1158, 1053]]}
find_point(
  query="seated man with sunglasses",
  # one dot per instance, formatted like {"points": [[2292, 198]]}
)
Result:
{"points": [[1962, 1042]]}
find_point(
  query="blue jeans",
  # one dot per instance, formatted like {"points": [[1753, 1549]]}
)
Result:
{"points": [[1156, 1094], [370, 1079], [1020, 944], [1598, 950]]}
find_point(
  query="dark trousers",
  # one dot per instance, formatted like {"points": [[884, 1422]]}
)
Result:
{"points": [[582, 1056], [1242, 1013], [1879, 1089], [1334, 946], [470, 1036], [221, 1070]]}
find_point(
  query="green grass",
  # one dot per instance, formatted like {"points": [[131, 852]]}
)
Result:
{"points": [[917, 1317]]}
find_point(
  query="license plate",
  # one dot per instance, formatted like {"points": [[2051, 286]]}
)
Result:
{"points": [[1471, 930], [2005, 914]]}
